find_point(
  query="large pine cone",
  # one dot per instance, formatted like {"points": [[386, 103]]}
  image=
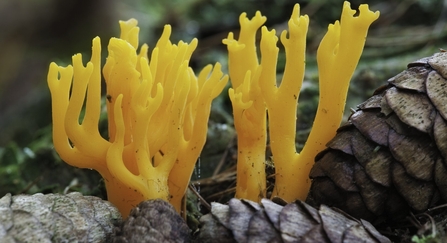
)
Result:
{"points": [[56, 218], [246, 221], [389, 159]]}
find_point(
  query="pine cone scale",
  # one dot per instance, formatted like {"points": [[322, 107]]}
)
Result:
{"points": [[340, 169], [240, 215], [342, 142], [260, 229], [411, 79], [272, 210], [417, 193], [334, 223], [372, 126], [414, 109], [294, 221], [437, 92], [373, 193], [439, 63], [416, 154], [441, 178]]}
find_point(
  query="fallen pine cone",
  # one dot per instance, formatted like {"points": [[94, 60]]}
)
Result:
{"points": [[247, 221], [152, 221], [389, 159], [56, 218]]}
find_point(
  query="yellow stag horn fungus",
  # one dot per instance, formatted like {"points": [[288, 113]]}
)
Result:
{"points": [[249, 111], [337, 56], [157, 112]]}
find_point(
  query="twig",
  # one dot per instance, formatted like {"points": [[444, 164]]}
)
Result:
{"points": [[201, 199]]}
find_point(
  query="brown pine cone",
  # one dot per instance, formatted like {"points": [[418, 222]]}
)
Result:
{"points": [[152, 221], [389, 159], [56, 218], [247, 221]]}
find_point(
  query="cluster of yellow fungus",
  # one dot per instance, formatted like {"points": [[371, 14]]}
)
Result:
{"points": [[158, 109], [158, 112], [255, 92]]}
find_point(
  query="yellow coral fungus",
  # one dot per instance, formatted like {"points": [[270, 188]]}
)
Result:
{"points": [[248, 110], [157, 112], [338, 55]]}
